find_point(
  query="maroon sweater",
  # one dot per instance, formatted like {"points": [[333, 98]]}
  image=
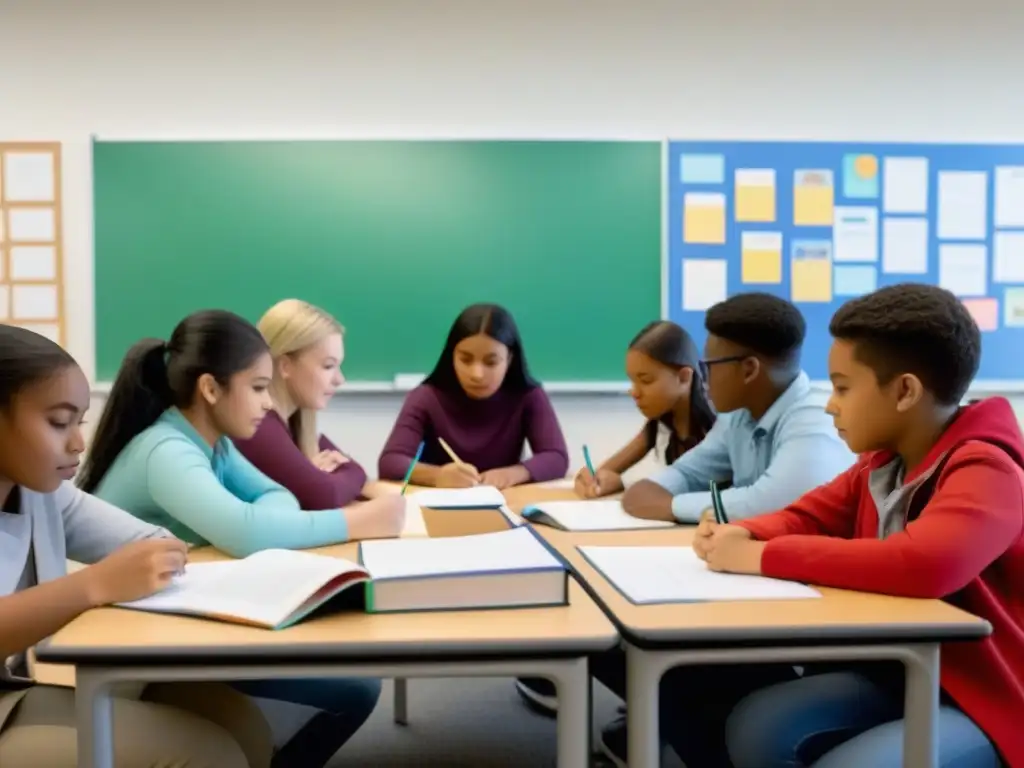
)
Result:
{"points": [[273, 451], [487, 433]]}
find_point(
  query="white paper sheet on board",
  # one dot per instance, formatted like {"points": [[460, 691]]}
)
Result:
{"points": [[963, 205], [1013, 308], [905, 246], [963, 269], [28, 177], [705, 283], [1008, 257], [905, 184], [855, 234], [1010, 196]]}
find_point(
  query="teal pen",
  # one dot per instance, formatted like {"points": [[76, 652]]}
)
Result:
{"points": [[412, 466], [590, 464]]}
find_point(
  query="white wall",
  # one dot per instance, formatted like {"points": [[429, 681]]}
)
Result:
{"points": [[915, 70]]}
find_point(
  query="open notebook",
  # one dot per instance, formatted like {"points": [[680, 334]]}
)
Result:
{"points": [[276, 588], [650, 575], [490, 570], [477, 497], [588, 516]]}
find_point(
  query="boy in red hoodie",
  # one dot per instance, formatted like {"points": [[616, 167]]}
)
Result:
{"points": [[934, 508]]}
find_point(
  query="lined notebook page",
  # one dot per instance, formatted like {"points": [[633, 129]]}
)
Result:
{"points": [[477, 497], [516, 549], [647, 575], [592, 516]]}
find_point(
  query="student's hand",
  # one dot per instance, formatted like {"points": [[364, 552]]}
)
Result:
{"points": [[735, 554], [457, 476], [605, 484], [380, 518], [328, 461], [505, 477], [708, 532], [134, 571]]}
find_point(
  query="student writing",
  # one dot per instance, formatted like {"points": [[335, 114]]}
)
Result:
{"points": [[43, 521], [934, 508], [307, 347], [772, 438], [480, 399], [663, 366], [163, 452]]}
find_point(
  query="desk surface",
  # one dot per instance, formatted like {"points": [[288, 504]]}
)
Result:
{"points": [[839, 615], [137, 637]]}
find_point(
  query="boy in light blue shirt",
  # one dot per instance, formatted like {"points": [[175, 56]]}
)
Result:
{"points": [[774, 442]]}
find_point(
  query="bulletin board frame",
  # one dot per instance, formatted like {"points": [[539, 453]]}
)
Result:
{"points": [[818, 223], [32, 238]]}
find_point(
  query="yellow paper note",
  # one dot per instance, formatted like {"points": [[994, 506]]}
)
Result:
{"points": [[755, 194], [762, 257], [813, 198], [704, 218], [811, 274]]}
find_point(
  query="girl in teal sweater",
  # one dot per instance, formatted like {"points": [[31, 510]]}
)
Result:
{"points": [[163, 451]]}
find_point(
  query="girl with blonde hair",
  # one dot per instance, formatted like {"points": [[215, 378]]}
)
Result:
{"points": [[307, 346]]}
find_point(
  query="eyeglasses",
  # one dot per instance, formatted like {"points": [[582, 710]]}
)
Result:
{"points": [[705, 365]]}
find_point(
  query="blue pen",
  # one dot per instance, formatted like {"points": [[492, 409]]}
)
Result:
{"points": [[590, 464], [412, 466]]}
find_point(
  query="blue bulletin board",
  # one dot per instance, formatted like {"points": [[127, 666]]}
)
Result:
{"points": [[818, 223]]}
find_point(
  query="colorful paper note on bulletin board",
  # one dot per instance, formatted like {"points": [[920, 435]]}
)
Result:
{"points": [[819, 223]]}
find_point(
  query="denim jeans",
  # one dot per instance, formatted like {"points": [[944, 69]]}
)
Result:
{"points": [[843, 719], [344, 704]]}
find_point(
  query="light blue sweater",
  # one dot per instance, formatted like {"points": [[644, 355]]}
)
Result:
{"points": [[169, 476]]}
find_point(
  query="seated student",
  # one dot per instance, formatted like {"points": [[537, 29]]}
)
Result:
{"points": [[307, 348], [775, 441], [45, 520], [663, 365], [481, 400], [772, 438], [163, 451], [934, 508]]}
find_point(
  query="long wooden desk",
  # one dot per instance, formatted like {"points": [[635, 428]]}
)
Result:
{"points": [[841, 626], [109, 646]]}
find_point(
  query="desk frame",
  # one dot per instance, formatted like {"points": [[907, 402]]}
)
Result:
{"points": [[94, 695], [645, 668]]}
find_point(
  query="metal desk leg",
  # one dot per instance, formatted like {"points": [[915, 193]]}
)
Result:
{"points": [[920, 734], [401, 714], [573, 685], [94, 705], [643, 682]]}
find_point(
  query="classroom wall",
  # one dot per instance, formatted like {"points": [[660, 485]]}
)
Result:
{"points": [[919, 70]]}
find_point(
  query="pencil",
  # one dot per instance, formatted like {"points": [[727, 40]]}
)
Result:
{"points": [[448, 449], [412, 466]]}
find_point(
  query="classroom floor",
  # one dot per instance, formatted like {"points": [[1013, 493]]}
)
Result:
{"points": [[465, 723]]}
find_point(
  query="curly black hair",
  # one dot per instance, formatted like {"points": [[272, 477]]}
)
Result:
{"points": [[913, 328], [766, 325]]}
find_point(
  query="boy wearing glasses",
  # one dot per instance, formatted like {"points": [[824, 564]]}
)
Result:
{"points": [[772, 440]]}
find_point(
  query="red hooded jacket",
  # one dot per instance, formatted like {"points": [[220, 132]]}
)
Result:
{"points": [[964, 543]]}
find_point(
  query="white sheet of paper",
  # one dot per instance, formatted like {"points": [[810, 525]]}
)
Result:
{"points": [[1009, 196], [963, 205], [905, 184], [28, 177], [33, 262], [1008, 257], [31, 225], [905, 246], [516, 549], [963, 269], [705, 283], [34, 302], [477, 497], [415, 525], [604, 515], [675, 574], [855, 234]]}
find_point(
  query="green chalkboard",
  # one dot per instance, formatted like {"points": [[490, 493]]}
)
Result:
{"points": [[393, 237]]}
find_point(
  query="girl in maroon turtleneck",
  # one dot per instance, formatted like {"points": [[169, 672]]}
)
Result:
{"points": [[481, 400]]}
